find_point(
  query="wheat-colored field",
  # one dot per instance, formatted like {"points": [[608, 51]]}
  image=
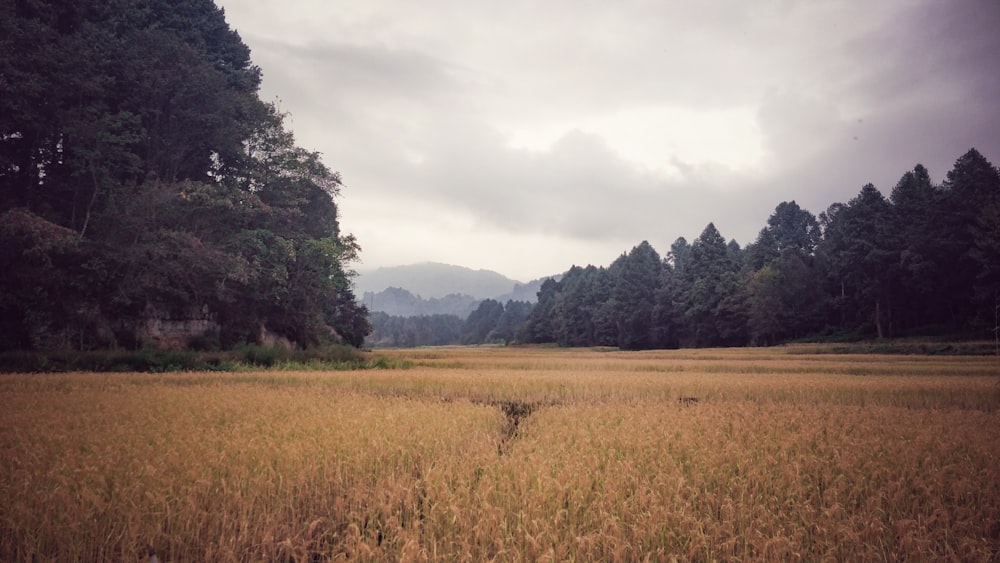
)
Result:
{"points": [[511, 454]]}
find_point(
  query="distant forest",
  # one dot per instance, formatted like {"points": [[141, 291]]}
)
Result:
{"points": [[148, 197], [923, 262]]}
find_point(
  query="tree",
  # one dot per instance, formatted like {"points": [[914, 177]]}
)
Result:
{"points": [[635, 297], [857, 249], [790, 229], [785, 300], [971, 190], [709, 300], [541, 325], [919, 238], [576, 306], [514, 315], [482, 322], [138, 127]]}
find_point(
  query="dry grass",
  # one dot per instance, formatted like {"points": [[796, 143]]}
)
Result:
{"points": [[511, 455]]}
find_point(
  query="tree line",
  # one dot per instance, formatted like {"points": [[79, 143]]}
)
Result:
{"points": [[924, 261], [146, 188], [491, 323]]}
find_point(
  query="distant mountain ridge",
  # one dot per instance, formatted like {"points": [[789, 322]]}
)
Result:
{"points": [[398, 302], [432, 288], [435, 280]]}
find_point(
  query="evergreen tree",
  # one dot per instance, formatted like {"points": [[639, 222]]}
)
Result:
{"points": [[784, 297], [918, 237], [635, 297], [514, 315], [971, 190], [542, 324], [709, 300], [858, 250], [482, 322]]}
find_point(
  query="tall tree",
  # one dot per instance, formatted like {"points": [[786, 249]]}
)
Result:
{"points": [[635, 296], [858, 249], [971, 189], [710, 302], [137, 125], [542, 324], [481, 322], [790, 229], [514, 315], [920, 239]]}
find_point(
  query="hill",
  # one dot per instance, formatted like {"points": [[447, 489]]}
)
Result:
{"points": [[434, 288], [399, 302], [432, 280]]}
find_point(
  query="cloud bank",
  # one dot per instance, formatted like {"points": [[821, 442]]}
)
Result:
{"points": [[524, 137]]}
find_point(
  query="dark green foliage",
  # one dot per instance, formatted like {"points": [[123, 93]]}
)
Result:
{"points": [[507, 326], [710, 299], [971, 195], [481, 322], [142, 179], [635, 291], [160, 361], [858, 250], [924, 262], [542, 324], [784, 296]]}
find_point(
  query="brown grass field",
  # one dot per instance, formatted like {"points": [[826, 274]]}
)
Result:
{"points": [[511, 454]]}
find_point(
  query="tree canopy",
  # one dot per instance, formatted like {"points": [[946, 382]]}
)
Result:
{"points": [[145, 188]]}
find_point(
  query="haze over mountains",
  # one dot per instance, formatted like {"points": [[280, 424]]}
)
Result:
{"points": [[433, 288]]}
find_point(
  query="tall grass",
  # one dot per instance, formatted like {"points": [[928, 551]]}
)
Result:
{"points": [[510, 455], [329, 357]]}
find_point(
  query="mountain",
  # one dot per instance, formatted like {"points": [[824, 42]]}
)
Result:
{"points": [[434, 280], [438, 289], [399, 302]]}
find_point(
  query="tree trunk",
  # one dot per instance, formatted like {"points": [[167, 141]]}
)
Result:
{"points": [[878, 318]]}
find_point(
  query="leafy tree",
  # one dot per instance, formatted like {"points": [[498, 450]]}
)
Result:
{"points": [[785, 300], [137, 126], [38, 309]]}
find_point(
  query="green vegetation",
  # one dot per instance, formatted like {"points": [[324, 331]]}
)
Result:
{"points": [[241, 358], [923, 262], [149, 198]]}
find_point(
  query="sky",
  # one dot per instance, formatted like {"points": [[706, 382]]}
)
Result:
{"points": [[528, 136]]}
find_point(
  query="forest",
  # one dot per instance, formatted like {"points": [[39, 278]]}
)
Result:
{"points": [[149, 197], [923, 262]]}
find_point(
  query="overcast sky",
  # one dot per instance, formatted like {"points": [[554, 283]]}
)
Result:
{"points": [[527, 136]]}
